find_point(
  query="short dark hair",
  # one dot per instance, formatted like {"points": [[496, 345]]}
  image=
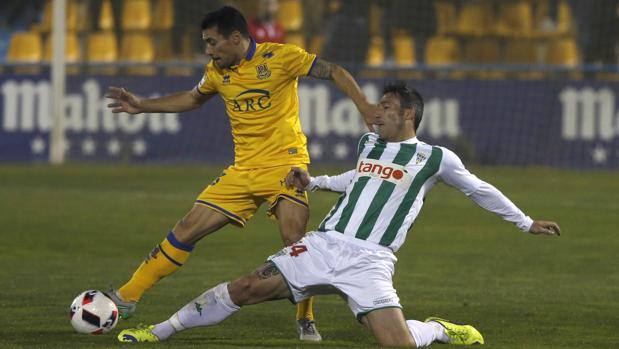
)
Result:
{"points": [[409, 98], [227, 19]]}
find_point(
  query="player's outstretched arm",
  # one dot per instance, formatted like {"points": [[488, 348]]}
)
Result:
{"points": [[301, 179], [346, 83], [124, 101]]}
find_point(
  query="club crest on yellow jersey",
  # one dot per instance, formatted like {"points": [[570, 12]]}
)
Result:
{"points": [[262, 71]]}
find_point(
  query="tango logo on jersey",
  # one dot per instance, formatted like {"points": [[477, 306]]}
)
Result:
{"points": [[384, 170], [252, 100]]}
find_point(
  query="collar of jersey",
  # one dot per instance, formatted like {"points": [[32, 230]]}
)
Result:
{"points": [[408, 141], [250, 54]]}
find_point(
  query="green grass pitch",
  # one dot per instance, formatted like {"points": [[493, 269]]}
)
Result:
{"points": [[68, 229]]}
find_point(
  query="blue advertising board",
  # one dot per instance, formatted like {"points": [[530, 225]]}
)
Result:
{"points": [[558, 123]]}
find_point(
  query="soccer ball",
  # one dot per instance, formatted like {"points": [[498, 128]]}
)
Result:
{"points": [[93, 312]]}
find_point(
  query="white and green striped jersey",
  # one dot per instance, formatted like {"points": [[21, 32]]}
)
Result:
{"points": [[383, 196]]}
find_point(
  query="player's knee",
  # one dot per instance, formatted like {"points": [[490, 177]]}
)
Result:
{"points": [[291, 237], [240, 290]]}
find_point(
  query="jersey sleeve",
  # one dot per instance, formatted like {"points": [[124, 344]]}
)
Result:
{"points": [[332, 183], [453, 173], [296, 61], [206, 86]]}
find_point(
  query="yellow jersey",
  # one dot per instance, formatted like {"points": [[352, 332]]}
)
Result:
{"points": [[260, 95]]}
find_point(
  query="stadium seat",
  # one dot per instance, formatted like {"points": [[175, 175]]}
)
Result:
{"points": [[403, 49], [445, 17], [376, 13], [296, 39], [102, 48], [136, 15], [376, 51], [25, 47], [72, 49], [483, 51], [138, 48], [71, 18], [290, 15], [163, 16], [516, 18], [522, 52], [562, 52], [564, 18], [442, 50], [475, 18], [106, 16]]}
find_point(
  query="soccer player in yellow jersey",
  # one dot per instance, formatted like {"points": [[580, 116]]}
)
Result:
{"points": [[258, 83]]}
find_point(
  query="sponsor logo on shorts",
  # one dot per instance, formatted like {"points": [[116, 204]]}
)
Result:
{"points": [[382, 301], [384, 170]]}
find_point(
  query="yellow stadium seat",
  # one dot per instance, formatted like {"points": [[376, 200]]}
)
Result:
{"points": [[106, 16], [441, 50], [102, 48], [71, 19], [564, 18], [376, 13], [516, 18], [136, 15], [71, 48], [376, 51], [483, 51], [403, 49], [138, 48], [445, 17], [475, 18], [562, 52], [290, 14], [296, 39], [522, 52], [25, 48], [163, 16]]}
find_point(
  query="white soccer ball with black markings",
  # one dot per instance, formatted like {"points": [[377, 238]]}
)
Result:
{"points": [[93, 312]]}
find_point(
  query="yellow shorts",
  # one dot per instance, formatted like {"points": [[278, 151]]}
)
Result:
{"points": [[238, 193]]}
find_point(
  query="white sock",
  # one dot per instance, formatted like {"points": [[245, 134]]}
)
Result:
{"points": [[210, 308], [425, 333]]}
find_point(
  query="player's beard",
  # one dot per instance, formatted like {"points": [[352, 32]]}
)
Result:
{"points": [[376, 128]]}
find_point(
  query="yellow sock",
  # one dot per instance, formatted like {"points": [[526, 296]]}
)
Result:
{"points": [[305, 309], [165, 259]]}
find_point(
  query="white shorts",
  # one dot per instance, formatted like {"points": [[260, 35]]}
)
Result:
{"points": [[330, 262]]}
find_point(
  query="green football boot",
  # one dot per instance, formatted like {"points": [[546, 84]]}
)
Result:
{"points": [[125, 309]]}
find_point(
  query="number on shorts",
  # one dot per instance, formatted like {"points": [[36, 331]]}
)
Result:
{"points": [[297, 250]]}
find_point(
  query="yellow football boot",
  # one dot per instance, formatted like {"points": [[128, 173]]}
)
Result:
{"points": [[138, 335], [459, 334]]}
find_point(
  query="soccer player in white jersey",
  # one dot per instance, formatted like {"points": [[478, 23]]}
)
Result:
{"points": [[352, 252]]}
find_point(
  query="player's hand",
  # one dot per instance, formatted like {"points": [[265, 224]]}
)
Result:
{"points": [[123, 101], [298, 177], [545, 228], [369, 112]]}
